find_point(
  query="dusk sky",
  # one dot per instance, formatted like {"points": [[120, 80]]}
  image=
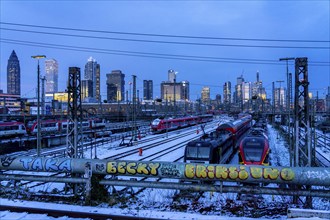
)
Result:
{"points": [[206, 42]]}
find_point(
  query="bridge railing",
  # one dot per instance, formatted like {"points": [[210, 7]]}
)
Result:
{"points": [[209, 177]]}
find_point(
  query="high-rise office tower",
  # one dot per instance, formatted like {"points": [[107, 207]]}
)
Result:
{"points": [[185, 88], [280, 98], [181, 90], [258, 91], [13, 75], [147, 89], [86, 89], [171, 76], [115, 86], [227, 93], [238, 90], [246, 91], [92, 72], [51, 67], [205, 95]]}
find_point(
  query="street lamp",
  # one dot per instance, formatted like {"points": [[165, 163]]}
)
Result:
{"points": [[38, 57]]}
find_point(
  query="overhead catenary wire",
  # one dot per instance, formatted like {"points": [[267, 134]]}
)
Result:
{"points": [[166, 42], [151, 55], [165, 35]]}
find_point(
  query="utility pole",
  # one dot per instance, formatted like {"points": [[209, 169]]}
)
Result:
{"points": [[43, 79], [273, 89], [174, 99], [288, 101], [288, 92], [166, 113], [38, 57], [303, 149], [134, 107], [74, 129]]}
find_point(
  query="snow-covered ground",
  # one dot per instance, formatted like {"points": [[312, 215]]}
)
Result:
{"points": [[163, 204]]}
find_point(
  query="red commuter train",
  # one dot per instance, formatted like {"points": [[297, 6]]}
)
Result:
{"points": [[218, 146], [254, 149], [161, 125], [237, 128]]}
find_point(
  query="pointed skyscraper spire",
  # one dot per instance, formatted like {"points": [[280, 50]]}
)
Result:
{"points": [[13, 75]]}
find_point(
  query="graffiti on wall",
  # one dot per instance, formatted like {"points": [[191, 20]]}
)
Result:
{"points": [[202, 171], [6, 161], [46, 164], [133, 168], [170, 170]]}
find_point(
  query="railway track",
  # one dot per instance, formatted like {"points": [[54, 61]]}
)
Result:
{"points": [[64, 212], [126, 152]]}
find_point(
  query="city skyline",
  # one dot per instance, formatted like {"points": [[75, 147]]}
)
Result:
{"points": [[196, 63]]}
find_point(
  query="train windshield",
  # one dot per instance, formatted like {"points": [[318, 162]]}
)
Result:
{"points": [[253, 150], [155, 122], [198, 152]]}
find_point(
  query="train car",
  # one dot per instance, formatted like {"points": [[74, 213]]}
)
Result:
{"points": [[63, 125], [161, 125], [12, 129], [205, 118], [95, 123], [254, 149], [238, 127], [209, 149], [46, 126]]}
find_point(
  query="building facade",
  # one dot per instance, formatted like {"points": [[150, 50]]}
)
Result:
{"points": [[92, 73], [11, 104], [205, 95], [171, 76], [185, 90], [86, 90], [238, 99], [13, 75], [147, 90], [115, 86], [327, 101], [51, 68], [178, 90], [279, 98], [227, 93]]}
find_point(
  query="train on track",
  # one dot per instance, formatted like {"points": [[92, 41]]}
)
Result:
{"points": [[161, 125], [53, 126], [14, 128], [220, 145], [254, 148]]}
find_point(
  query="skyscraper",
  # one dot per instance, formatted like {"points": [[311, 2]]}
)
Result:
{"points": [[185, 88], [238, 90], [86, 89], [206, 95], [115, 86], [246, 91], [51, 67], [171, 76], [227, 93], [92, 72], [13, 75], [147, 89]]}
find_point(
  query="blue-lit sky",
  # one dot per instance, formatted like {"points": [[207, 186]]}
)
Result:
{"points": [[240, 21]]}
